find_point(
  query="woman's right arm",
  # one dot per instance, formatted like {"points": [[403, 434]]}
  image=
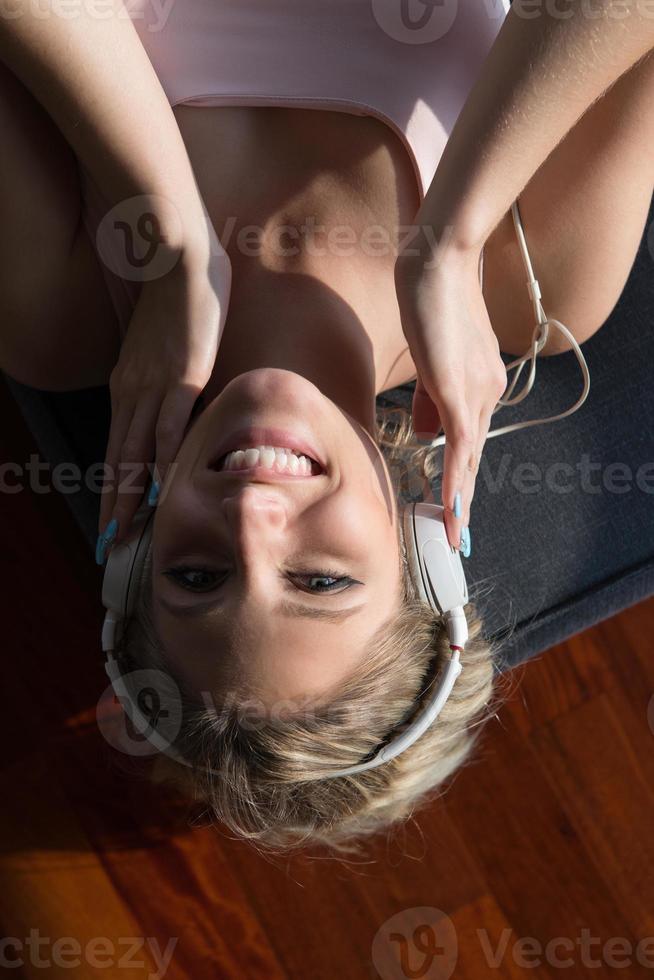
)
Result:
{"points": [[95, 79], [545, 69]]}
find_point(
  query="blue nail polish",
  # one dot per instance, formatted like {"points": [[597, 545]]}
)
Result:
{"points": [[153, 496], [104, 539], [466, 546], [457, 505]]}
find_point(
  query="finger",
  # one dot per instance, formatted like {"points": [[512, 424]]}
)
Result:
{"points": [[485, 417], [171, 425], [136, 460], [121, 417], [472, 466], [460, 426], [424, 413]]}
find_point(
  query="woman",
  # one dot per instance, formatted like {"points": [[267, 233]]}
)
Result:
{"points": [[307, 336]]}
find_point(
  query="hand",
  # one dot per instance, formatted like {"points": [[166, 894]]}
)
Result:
{"points": [[460, 374], [165, 361]]}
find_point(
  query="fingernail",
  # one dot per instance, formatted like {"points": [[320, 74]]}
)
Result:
{"points": [[457, 504], [153, 496], [465, 544], [104, 539]]}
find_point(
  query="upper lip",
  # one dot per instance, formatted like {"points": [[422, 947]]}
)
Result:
{"points": [[261, 474]]}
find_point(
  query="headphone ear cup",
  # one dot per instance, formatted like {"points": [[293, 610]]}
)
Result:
{"points": [[124, 568], [435, 566], [415, 572], [138, 564]]}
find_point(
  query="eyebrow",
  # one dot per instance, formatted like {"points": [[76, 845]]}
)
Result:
{"points": [[285, 608]]}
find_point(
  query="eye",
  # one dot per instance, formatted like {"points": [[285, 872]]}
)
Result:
{"points": [[207, 579], [194, 579], [327, 581]]}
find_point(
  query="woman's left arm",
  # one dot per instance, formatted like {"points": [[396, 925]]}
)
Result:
{"points": [[165, 361], [90, 72]]}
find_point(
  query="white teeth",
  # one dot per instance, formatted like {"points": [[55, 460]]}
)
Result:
{"points": [[279, 459]]}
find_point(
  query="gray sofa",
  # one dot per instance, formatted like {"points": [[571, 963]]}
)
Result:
{"points": [[562, 521]]}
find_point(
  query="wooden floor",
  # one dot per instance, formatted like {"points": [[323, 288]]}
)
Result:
{"points": [[545, 839]]}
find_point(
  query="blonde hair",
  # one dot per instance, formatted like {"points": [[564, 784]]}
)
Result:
{"points": [[265, 782]]}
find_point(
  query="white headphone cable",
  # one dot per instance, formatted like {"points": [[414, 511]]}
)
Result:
{"points": [[538, 341]]}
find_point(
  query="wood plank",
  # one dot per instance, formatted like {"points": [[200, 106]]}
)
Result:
{"points": [[55, 888], [609, 802]]}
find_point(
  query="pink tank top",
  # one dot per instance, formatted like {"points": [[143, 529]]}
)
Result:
{"points": [[409, 63]]}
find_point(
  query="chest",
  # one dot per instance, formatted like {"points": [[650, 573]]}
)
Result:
{"points": [[321, 174], [253, 163]]}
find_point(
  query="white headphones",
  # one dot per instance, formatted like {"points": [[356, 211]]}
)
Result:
{"points": [[436, 571], [435, 567]]}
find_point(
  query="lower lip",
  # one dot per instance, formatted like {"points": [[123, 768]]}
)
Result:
{"points": [[259, 436]]}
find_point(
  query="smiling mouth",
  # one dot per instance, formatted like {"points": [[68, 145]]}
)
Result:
{"points": [[267, 462]]}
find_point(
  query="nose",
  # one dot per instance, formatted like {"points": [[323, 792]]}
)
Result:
{"points": [[253, 516]]}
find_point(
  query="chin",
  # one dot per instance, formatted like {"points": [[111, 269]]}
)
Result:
{"points": [[271, 388]]}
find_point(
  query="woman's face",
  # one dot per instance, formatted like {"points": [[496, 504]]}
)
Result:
{"points": [[240, 559]]}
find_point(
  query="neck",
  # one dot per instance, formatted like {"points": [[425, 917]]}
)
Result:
{"points": [[313, 325]]}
